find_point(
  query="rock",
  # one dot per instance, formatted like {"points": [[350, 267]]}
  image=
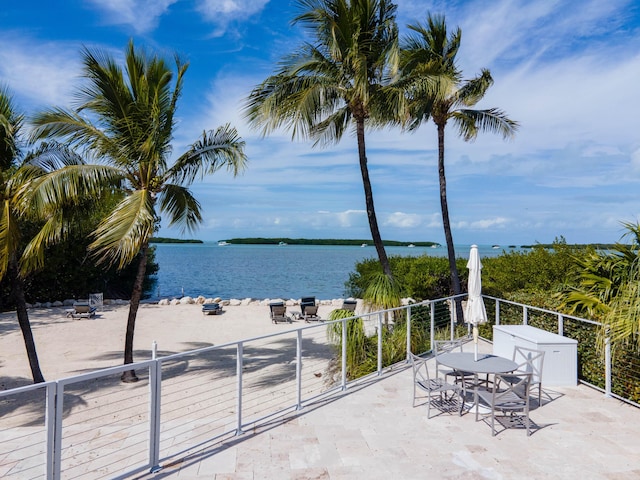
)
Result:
{"points": [[57, 303], [200, 300], [235, 302], [68, 302], [37, 305], [164, 301], [224, 303], [186, 300], [175, 301], [46, 304], [246, 301], [28, 305], [217, 300]]}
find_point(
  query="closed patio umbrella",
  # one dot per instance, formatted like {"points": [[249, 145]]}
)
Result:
{"points": [[475, 312]]}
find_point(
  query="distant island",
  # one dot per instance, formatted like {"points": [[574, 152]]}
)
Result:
{"points": [[172, 240], [321, 241]]}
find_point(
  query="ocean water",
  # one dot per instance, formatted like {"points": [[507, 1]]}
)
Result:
{"points": [[269, 271]]}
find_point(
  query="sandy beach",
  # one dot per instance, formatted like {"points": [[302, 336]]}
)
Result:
{"points": [[68, 346]]}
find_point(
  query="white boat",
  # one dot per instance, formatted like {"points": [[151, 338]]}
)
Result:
{"points": [[435, 246], [363, 245], [282, 243], [495, 246], [411, 245], [223, 244]]}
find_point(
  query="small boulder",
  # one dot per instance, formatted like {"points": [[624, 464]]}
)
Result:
{"points": [[186, 300], [164, 301], [235, 302], [175, 301], [68, 302], [57, 303], [200, 300]]}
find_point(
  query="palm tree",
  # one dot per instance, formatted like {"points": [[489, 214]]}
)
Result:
{"points": [[431, 47], [125, 120], [25, 227], [339, 81]]}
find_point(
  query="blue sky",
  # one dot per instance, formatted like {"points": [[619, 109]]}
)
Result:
{"points": [[568, 71]]}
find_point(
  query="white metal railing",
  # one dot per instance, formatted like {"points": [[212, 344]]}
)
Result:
{"points": [[93, 426]]}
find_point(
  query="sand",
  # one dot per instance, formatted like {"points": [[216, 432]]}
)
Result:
{"points": [[68, 346]]}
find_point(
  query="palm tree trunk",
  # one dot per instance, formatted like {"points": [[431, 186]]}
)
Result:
{"points": [[136, 295], [455, 278], [368, 196], [23, 321]]}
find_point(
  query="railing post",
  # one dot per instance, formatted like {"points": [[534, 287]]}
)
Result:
{"points": [[239, 362], [497, 312], [50, 425], [607, 366], [408, 331], [299, 370], [379, 343], [155, 381], [561, 324], [525, 315], [57, 442], [453, 318], [344, 355], [432, 331]]}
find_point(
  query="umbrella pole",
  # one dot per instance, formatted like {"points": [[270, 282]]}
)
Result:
{"points": [[475, 341]]}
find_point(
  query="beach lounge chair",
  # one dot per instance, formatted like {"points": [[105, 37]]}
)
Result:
{"points": [[309, 309], [349, 305], [211, 309], [83, 310], [278, 312]]}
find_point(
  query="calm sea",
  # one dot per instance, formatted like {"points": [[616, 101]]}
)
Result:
{"points": [[269, 271]]}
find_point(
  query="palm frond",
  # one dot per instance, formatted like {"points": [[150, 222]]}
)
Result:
{"points": [[9, 234], [471, 122], [121, 235], [213, 151], [182, 207]]}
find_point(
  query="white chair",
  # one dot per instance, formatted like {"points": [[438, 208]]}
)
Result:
{"points": [[435, 387], [511, 398], [529, 361]]}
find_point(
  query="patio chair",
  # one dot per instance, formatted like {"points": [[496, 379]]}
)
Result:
{"points": [[529, 361], [278, 311], [446, 346], [309, 309], [511, 398], [349, 305], [435, 387], [83, 310]]}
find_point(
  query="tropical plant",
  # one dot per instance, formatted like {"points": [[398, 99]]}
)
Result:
{"points": [[125, 119], [608, 288], [340, 80], [431, 48]]}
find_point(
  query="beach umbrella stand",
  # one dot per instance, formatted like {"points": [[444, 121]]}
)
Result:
{"points": [[475, 312]]}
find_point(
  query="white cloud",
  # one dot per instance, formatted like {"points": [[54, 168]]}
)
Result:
{"points": [[223, 12], [142, 15], [41, 74], [402, 220]]}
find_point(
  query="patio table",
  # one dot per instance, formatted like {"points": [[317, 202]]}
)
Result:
{"points": [[486, 364]]}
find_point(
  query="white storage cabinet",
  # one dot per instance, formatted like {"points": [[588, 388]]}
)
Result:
{"points": [[560, 366]]}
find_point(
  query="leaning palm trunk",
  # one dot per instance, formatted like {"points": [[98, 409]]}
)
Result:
{"points": [[136, 296], [455, 278], [23, 321], [368, 194]]}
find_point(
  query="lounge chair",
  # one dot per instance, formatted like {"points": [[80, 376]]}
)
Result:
{"points": [[349, 305], [82, 310], [211, 309], [309, 309], [279, 312]]}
